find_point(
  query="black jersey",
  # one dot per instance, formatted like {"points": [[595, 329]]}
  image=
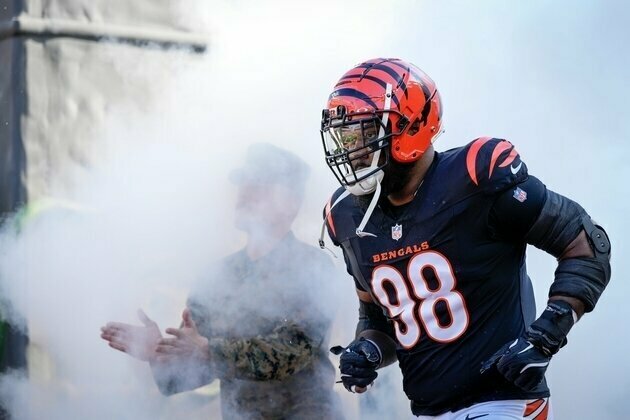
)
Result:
{"points": [[455, 292]]}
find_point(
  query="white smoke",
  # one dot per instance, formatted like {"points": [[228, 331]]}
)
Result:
{"points": [[157, 206]]}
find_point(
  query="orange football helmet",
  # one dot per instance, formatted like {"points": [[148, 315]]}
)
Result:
{"points": [[387, 105]]}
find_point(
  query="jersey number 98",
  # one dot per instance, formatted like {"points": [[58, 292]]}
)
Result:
{"points": [[415, 303]]}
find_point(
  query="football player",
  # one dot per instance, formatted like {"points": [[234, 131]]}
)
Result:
{"points": [[435, 242]]}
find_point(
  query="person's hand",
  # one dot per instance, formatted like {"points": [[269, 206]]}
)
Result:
{"points": [[137, 341], [521, 363], [187, 342], [524, 361], [358, 363]]}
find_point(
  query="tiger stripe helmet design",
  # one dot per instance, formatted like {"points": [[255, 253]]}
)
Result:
{"points": [[386, 105]]}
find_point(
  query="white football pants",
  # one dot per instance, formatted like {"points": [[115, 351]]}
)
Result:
{"points": [[500, 410]]}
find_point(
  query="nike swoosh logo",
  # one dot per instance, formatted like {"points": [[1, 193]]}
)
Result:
{"points": [[515, 170], [475, 417], [534, 365]]}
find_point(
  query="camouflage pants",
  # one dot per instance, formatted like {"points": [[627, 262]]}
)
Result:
{"points": [[308, 410]]}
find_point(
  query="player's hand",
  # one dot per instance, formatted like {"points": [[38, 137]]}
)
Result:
{"points": [[524, 361], [186, 342], [520, 362], [137, 341], [358, 363]]}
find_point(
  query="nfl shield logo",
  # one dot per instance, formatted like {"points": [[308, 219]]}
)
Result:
{"points": [[520, 195], [396, 232]]}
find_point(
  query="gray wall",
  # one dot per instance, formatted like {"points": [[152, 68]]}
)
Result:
{"points": [[64, 65], [62, 82], [11, 107]]}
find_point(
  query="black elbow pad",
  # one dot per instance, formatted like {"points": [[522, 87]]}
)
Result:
{"points": [[559, 223], [582, 278], [585, 278]]}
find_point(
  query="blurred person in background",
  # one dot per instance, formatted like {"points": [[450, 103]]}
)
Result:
{"points": [[259, 320], [436, 244]]}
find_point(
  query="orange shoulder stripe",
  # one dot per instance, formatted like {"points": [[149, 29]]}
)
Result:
{"points": [[513, 154], [329, 218], [498, 149], [471, 157]]}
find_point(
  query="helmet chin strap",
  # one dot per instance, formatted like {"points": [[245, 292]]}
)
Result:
{"points": [[376, 179], [360, 233]]}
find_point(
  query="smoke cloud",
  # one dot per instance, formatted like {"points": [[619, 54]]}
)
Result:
{"points": [[156, 206]]}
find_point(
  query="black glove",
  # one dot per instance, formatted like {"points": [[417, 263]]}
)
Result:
{"points": [[524, 361], [521, 363], [358, 363]]}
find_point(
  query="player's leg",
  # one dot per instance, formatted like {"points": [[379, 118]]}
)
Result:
{"points": [[445, 416], [539, 409], [507, 410]]}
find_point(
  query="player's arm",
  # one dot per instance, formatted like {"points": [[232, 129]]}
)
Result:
{"points": [[566, 231], [562, 228], [580, 247], [373, 325], [372, 348], [524, 210]]}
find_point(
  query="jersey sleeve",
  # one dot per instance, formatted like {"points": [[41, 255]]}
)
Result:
{"points": [[493, 165], [329, 219], [349, 270], [341, 227], [516, 209]]}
